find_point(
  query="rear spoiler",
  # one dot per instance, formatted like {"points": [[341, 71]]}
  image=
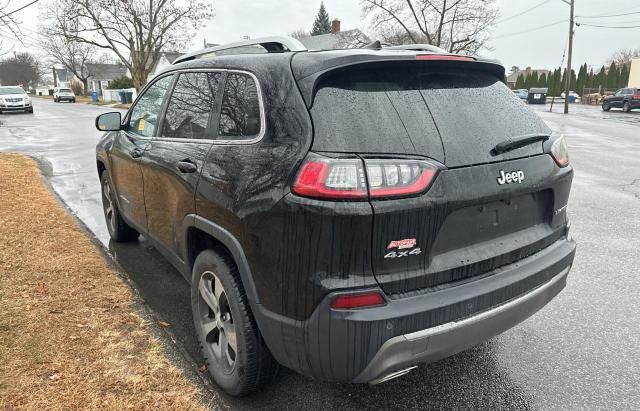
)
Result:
{"points": [[316, 66]]}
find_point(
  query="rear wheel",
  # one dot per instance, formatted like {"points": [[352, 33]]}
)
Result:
{"points": [[237, 358], [605, 106], [626, 107], [118, 229]]}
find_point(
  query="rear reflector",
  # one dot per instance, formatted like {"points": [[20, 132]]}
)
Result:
{"points": [[452, 57], [339, 179], [349, 301]]}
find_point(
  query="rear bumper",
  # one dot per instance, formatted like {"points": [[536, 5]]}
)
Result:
{"points": [[447, 339], [66, 98], [365, 345]]}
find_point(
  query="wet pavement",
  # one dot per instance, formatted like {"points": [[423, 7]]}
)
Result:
{"points": [[581, 351]]}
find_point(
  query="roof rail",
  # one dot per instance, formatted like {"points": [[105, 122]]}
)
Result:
{"points": [[273, 44], [419, 47]]}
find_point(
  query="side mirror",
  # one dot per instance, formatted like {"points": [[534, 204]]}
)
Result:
{"points": [[109, 122]]}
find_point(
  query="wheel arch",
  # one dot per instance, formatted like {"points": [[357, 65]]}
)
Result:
{"points": [[202, 234]]}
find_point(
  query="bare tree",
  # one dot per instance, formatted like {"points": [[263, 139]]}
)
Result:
{"points": [[22, 69], [458, 26], [300, 34], [59, 40], [623, 57], [136, 31], [10, 24]]}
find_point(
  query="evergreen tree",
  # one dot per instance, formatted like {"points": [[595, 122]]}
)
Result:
{"points": [[612, 76], [601, 78], [520, 82], [542, 81], [321, 25], [582, 79], [624, 76]]}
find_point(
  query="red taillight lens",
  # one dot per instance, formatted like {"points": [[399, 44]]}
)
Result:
{"points": [[398, 178], [560, 152], [443, 57], [636, 96], [339, 179], [350, 301], [344, 179]]}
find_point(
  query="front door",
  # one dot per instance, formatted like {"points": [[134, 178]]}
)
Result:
{"points": [[129, 149], [175, 159]]}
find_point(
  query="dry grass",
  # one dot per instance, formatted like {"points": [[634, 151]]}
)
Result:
{"points": [[69, 335]]}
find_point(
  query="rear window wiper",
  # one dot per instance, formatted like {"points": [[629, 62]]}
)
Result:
{"points": [[516, 142]]}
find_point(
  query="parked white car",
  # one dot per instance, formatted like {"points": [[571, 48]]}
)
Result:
{"points": [[63, 94], [14, 98]]}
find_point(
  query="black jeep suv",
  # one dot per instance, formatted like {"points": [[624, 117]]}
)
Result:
{"points": [[347, 214]]}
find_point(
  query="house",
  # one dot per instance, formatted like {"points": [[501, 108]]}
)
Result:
{"points": [[337, 39], [62, 77], [513, 77], [101, 75], [634, 74], [166, 59]]}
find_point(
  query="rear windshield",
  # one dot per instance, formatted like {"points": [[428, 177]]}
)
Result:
{"points": [[406, 111], [65, 90]]}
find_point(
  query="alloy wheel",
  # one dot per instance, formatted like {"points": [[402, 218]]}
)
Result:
{"points": [[216, 321], [109, 210]]}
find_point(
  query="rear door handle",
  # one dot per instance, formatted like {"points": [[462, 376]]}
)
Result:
{"points": [[186, 166], [136, 153]]}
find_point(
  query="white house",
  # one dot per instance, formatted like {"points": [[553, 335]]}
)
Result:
{"points": [[634, 74]]}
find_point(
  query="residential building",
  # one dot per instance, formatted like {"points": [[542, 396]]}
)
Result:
{"points": [[634, 74], [513, 77], [101, 75], [337, 39]]}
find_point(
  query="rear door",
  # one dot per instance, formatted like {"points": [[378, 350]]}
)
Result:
{"points": [[175, 158], [128, 151], [467, 223]]}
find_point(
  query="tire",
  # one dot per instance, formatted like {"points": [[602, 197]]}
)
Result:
{"points": [[118, 230], [605, 106], [30, 111], [73, 101], [55, 100], [626, 107], [220, 308]]}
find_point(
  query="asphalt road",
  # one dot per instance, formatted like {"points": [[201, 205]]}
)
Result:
{"points": [[582, 351]]}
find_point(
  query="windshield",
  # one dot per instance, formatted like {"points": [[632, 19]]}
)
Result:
{"points": [[11, 90]]}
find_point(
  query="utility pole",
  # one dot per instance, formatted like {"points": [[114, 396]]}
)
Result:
{"points": [[568, 80]]}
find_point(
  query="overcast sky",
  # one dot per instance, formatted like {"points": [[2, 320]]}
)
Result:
{"points": [[514, 42]]}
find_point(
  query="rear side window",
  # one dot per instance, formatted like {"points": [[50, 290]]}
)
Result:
{"points": [[413, 109], [240, 113], [191, 105]]}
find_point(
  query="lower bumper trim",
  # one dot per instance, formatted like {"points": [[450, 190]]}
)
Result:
{"points": [[444, 340]]}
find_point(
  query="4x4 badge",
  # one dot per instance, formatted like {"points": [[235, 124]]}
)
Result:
{"points": [[511, 177]]}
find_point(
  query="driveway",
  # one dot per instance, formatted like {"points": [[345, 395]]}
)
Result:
{"points": [[581, 351]]}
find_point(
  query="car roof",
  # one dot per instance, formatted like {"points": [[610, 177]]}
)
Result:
{"points": [[309, 66]]}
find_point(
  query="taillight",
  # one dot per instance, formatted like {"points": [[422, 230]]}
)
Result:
{"points": [[345, 179], [339, 179], [350, 301], [398, 178], [560, 152], [636, 96]]}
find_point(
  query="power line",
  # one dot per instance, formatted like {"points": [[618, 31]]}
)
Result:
{"points": [[609, 15], [608, 27], [18, 9], [523, 12], [531, 29]]}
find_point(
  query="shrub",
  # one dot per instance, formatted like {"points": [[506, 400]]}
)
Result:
{"points": [[120, 83]]}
